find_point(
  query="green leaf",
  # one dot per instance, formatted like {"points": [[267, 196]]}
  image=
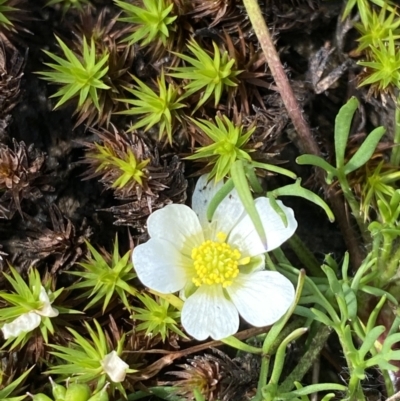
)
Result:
{"points": [[297, 190], [219, 197], [342, 129], [317, 161], [240, 181], [365, 151], [278, 209], [377, 292], [322, 317], [334, 283], [351, 301], [313, 388], [273, 169], [368, 344]]}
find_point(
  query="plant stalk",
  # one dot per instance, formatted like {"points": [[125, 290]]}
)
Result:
{"points": [[306, 140]]}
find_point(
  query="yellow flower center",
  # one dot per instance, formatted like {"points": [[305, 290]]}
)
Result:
{"points": [[215, 262]]}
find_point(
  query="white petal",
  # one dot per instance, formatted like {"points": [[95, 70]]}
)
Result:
{"points": [[227, 214], [115, 367], [208, 313], [46, 309], [160, 266], [275, 230], [177, 224], [22, 324], [202, 195], [244, 235], [262, 297]]}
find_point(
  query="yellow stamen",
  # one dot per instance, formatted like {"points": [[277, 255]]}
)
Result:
{"points": [[244, 261], [215, 262], [221, 237]]}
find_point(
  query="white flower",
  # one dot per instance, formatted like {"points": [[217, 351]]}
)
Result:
{"points": [[24, 323], [31, 320], [218, 267], [115, 367]]}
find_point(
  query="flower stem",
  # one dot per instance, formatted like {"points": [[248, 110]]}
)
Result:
{"points": [[281, 80]]}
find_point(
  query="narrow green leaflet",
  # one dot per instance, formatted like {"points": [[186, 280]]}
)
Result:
{"points": [[297, 190], [342, 129], [365, 151], [219, 197], [317, 161], [240, 181]]}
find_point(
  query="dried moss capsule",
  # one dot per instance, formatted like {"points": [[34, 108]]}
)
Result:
{"points": [[58, 390], [77, 392], [39, 397]]}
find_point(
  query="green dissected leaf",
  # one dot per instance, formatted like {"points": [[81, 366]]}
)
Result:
{"points": [[351, 301], [342, 129], [368, 343], [322, 317], [222, 193], [334, 283], [240, 181], [377, 292], [297, 190], [273, 169], [365, 151], [313, 388], [317, 161], [278, 209]]}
